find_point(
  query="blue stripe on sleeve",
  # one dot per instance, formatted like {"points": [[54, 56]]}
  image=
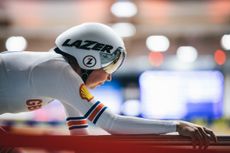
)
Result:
{"points": [[78, 127], [91, 109], [98, 115], [75, 118]]}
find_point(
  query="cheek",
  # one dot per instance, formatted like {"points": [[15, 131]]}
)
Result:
{"points": [[101, 78], [98, 78]]}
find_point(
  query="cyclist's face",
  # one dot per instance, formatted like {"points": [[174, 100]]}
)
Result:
{"points": [[97, 77]]}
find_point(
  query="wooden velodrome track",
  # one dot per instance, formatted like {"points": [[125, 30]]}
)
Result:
{"points": [[113, 143]]}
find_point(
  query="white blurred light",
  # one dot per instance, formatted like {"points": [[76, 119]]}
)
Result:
{"points": [[124, 9], [158, 43], [168, 94], [187, 54], [16, 43], [160, 95], [124, 29], [131, 107], [225, 41]]}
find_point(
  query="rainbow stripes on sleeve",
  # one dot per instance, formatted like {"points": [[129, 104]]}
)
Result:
{"points": [[95, 112], [76, 122], [93, 115]]}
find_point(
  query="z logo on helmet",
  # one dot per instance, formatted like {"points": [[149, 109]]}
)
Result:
{"points": [[89, 61]]}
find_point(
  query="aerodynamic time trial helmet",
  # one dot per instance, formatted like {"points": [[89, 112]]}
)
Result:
{"points": [[94, 46]]}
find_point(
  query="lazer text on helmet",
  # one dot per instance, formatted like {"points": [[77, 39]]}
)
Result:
{"points": [[88, 45]]}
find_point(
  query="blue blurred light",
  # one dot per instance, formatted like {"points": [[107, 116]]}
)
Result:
{"points": [[109, 94]]}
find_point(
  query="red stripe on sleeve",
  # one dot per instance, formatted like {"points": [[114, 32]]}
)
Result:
{"points": [[94, 113]]}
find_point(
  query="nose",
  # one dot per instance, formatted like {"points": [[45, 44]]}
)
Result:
{"points": [[109, 78]]}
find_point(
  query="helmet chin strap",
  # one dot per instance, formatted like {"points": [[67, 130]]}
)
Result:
{"points": [[73, 63]]}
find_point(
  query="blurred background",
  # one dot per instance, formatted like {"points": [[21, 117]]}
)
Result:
{"points": [[178, 64]]}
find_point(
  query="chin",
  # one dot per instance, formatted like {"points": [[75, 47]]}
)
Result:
{"points": [[92, 86]]}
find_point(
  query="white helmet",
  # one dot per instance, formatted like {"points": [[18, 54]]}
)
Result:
{"points": [[94, 46]]}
